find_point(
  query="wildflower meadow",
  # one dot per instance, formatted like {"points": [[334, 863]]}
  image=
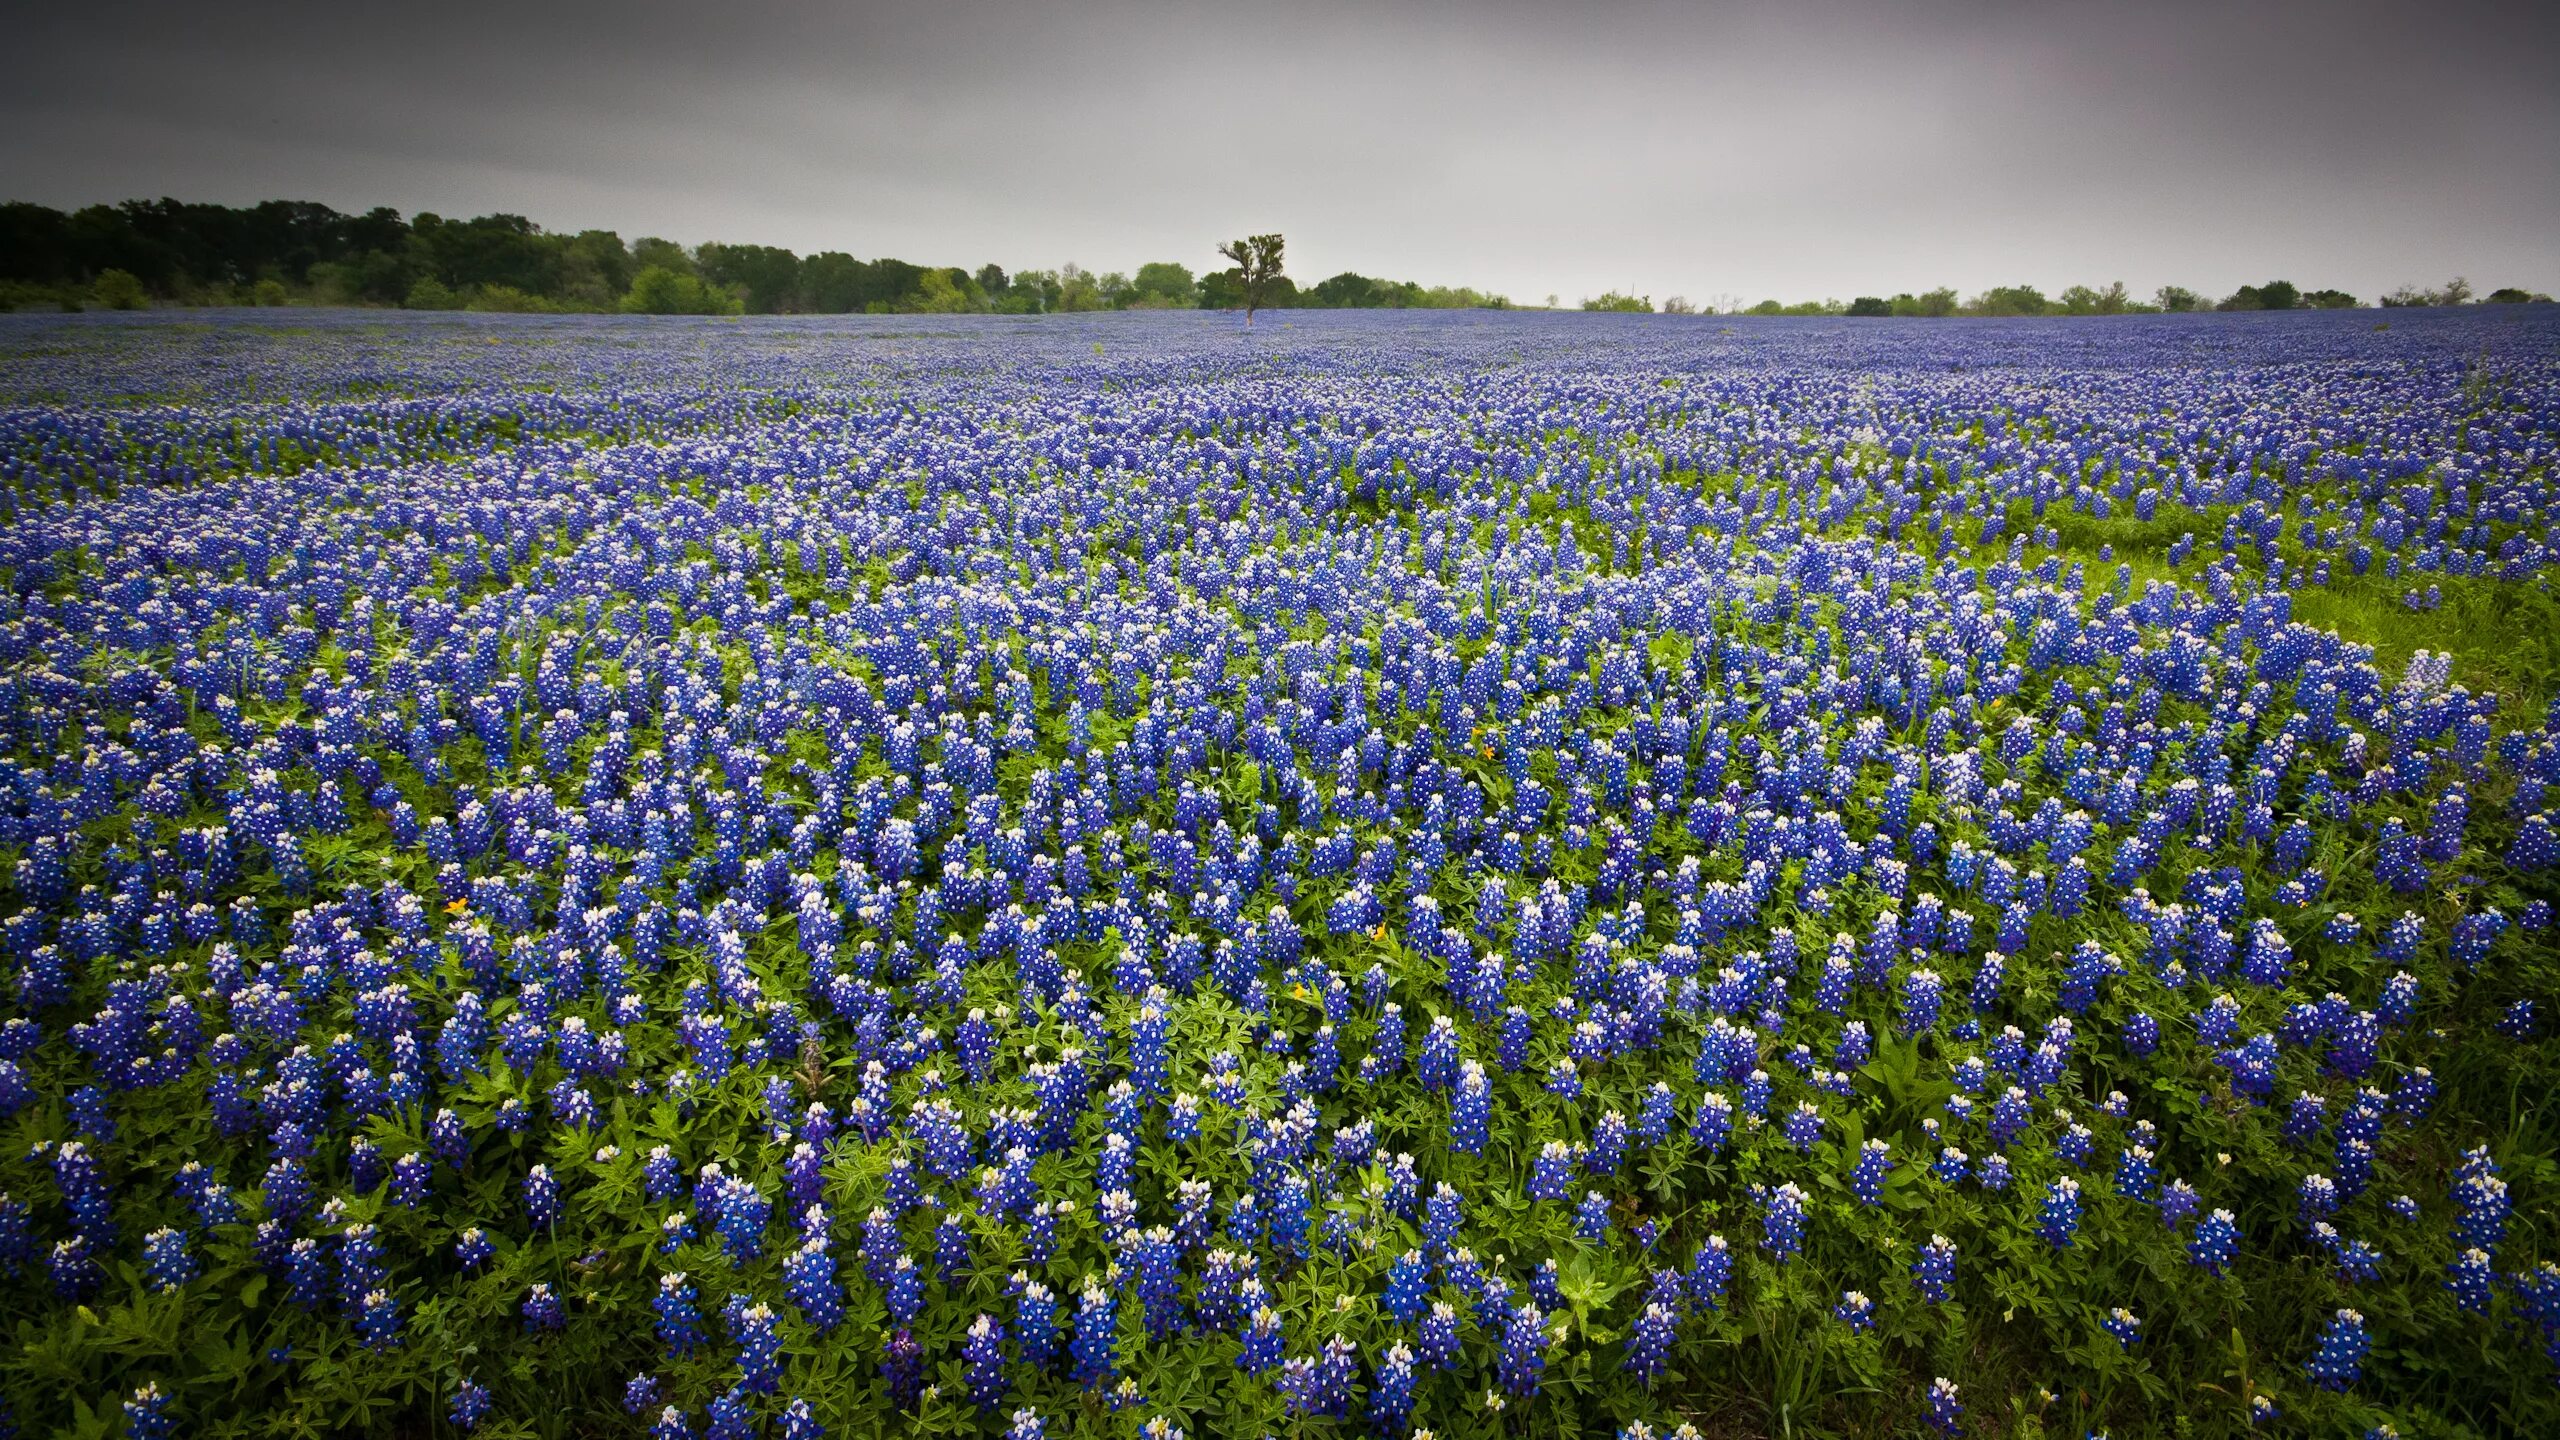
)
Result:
{"points": [[1470, 873]]}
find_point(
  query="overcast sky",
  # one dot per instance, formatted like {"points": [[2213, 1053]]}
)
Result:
{"points": [[1798, 150]]}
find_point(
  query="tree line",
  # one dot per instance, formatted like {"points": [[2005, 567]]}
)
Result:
{"points": [[2003, 300], [292, 251]]}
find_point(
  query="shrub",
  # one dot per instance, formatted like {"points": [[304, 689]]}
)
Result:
{"points": [[118, 290]]}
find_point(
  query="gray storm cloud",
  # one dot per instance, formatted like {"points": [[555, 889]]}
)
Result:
{"points": [[1799, 151]]}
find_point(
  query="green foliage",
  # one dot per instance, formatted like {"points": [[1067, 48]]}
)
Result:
{"points": [[2009, 300], [2177, 299], [431, 294], [660, 291], [1870, 305], [1164, 284], [2456, 291], [2274, 295], [2082, 300], [950, 291], [118, 290], [767, 276], [1629, 304], [1932, 304], [508, 300]]}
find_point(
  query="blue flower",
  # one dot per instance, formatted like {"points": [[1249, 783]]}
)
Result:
{"points": [[2341, 1354]]}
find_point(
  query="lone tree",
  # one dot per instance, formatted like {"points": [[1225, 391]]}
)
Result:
{"points": [[1257, 270]]}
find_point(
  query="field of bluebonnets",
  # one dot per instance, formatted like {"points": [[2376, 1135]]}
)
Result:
{"points": [[1501, 874]]}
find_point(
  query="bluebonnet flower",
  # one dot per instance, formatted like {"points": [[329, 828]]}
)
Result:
{"points": [[541, 1198], [1935, 1271], [1438, 1336], [2058, 1217], [1321, 1385], [1856, 1311], [1408, 1288], [759, 1350], [1262, 1341], [1095, 1347], [471, 1404], [1470, 1111], [2216, 1242], [2469, 1278], [167, 1264], [1391, 1396], [1523, 1354], [542, 1309], [1867, 1177], [639, 1393], [146, 1415], [378, 1321], [1782, 1218], [1591, 1217], [2341, 1354], [679, 1319], [1551, 1174], [1035, 1324], [983, 1357], [1649, 1342]]}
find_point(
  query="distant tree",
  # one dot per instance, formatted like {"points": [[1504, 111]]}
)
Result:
{"points": [[991, 279], [2455, 292], [1164, 285], [2177, 298], [2274, 295], [595, 270], [490, 250], [118, 290], [269, 291], [1077, 289], [948, 290], [1870, 305], [508, 300], [1679, 305], [767, 275], [1933, 303], [2083, 300], [2327, 300], [831, 283], [1346, 291], [1257, 270], [430, 293], [2510, 295], [890, 285], [657, 290], [2010, 300], [1629, 304], [1030, 292], [649, 250]]}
